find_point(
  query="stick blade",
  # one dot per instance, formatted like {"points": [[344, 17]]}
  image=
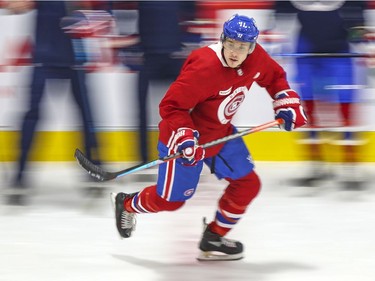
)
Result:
{"points": [[94, 170]]}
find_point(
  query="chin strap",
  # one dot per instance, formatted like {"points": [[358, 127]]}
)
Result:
{"points": [[252, 47]]}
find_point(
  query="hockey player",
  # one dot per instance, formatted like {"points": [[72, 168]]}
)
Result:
{"points": [[54, 57], [326, 81], [200, 105]]}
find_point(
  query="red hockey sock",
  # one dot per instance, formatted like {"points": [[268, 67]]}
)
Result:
{"points": [[233, 203], [309, 107], [148, 201], [345, 109]]}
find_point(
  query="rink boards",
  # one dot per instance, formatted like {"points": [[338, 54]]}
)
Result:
{"points": [[113, 94]]}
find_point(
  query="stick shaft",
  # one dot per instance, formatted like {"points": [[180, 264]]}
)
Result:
{"points": [[243, 133], [102, 175], [206, 145]]}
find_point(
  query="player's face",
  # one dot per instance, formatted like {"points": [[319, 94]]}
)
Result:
{"points": [[235, 52]]}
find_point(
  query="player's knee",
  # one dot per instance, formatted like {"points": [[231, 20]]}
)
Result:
{"points": [[245, 189], [253, 185]]}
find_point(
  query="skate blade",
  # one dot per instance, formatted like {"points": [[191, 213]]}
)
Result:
{"points": [[113, 202], [217, 256]]}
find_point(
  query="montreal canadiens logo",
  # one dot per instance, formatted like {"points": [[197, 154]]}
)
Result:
{"points": [[230, 105], [189, 192]]}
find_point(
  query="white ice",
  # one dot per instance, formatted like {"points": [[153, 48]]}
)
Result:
{"points": [[290, 233]]}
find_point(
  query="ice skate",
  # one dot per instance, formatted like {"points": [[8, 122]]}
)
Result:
{"points": [[315, 179], [125, 221], [216, 248]]}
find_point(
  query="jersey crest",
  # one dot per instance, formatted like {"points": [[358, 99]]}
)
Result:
{"points": [[230, 104]]}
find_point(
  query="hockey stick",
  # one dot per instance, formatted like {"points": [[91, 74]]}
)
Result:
{"points": [[101, 175]]}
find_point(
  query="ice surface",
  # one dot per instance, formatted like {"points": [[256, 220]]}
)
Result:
{"points": [[290, 233]]}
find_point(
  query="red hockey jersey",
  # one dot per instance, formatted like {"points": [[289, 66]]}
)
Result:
{"points": [[208, 93]]}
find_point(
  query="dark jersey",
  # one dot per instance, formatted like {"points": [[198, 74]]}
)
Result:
{"points": [[52, 46], [324, 25]]}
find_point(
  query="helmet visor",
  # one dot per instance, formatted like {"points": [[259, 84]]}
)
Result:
{"points": [[238, 46]]}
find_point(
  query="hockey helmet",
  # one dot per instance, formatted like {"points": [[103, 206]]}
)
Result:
{"points": [[240, 28]]}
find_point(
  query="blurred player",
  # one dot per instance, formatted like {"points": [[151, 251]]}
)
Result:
{"points": [[200, 105], [161, 38], [55, 56], [325, 74]]}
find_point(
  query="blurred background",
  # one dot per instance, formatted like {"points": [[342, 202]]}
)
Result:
{"points": [[90, 74]]}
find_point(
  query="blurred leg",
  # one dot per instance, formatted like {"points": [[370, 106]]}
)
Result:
{"points": [[31, 118], [79, 90], [143, 85]]}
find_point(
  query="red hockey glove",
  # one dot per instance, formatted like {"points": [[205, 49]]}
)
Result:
{"points": [[186, 141], [287, 106]]}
